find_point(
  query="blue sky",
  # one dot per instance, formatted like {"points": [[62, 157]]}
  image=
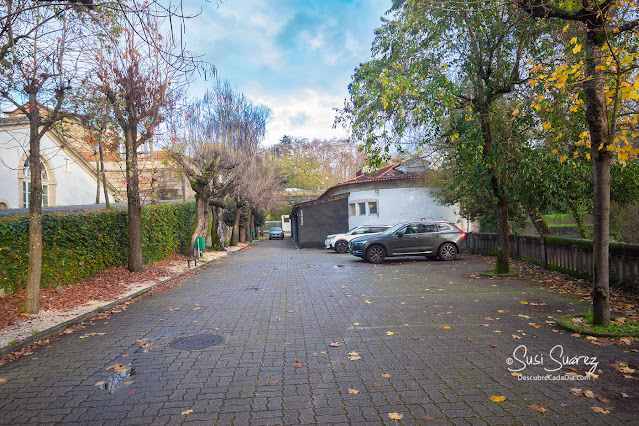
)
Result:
{"points": [[294, 56]]}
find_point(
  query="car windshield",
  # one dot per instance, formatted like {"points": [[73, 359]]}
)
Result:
{"points": [[394, 228], [350, 231], [276, 229]]}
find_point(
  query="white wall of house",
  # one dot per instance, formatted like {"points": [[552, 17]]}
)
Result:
{"points": [[399, 205], [68, 182]]}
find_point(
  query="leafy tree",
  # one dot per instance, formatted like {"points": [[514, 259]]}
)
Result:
{"points": [[602, 58], [439, 70]]}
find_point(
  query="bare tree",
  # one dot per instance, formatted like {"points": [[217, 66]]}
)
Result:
{"points": [[41, 55], [216, 136], [141, 74]]}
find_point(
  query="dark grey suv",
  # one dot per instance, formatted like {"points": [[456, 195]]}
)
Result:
{"points": [[430, 239]]}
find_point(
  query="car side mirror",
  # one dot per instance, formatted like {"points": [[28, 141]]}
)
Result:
{"points": [[400, 234]]}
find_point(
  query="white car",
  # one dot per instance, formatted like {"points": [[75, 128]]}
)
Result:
{"points": [[339, 242]]}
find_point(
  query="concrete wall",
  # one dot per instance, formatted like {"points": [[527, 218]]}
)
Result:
{"points": [[401, 204]]}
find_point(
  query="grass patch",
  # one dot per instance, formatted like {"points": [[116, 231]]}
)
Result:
{"points": [[584, 323]]}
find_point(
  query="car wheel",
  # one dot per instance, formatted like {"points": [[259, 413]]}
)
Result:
{"points": [[375, 254], [447, 251], [269, 238], [341, 246]]}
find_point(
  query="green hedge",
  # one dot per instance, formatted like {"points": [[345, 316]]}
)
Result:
{"points": [[79, 245]]}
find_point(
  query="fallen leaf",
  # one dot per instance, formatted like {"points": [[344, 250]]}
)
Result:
{"points": [[367, 301], [603, 400], [355, 323], [99, 383], [534, 325], [523, 302], [128, 382], [514, 373], [537, 408], [389, 333], [272, 382], [125, 355], [625, 395], [470, 339], [386, 376], [118, 368], [185, 412], [600, 410], [516, 336], [299, 364], [591, 338], [335, 344], [197, 308], [395, 416], [485, 325], [353, 391], [492, 346], [497, 398], [354, 357], [445, 327], [589, 394], [496, 331]]}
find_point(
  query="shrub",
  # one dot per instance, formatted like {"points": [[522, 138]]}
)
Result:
{"points": [[76, 246]]}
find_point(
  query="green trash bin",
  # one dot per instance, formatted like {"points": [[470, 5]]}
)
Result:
{"points": [[199, 243]]}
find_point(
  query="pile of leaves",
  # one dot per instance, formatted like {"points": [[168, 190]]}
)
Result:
{"points": [[621, 303], [107, 285]]}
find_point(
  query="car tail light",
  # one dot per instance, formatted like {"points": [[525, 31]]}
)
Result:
{"points": [[462, 231]]}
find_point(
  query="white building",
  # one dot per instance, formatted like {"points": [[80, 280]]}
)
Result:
{"points": [[392, 194], [67, 177]]}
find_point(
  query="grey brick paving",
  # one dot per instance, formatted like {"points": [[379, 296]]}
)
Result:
{"points": [[278, 309]]}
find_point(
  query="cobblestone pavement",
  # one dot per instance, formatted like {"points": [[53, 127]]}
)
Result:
{"points": [[314, 337]]}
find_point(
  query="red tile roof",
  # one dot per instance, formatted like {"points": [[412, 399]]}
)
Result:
{"points": [[385, 173]]}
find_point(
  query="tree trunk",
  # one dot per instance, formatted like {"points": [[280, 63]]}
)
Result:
{"points": [[97, 177], [578, 215], [235, 235], [34, 269], [104, 181], [220, 229], [597, 119], [242, 234], [134, 256], [502, 265], [202, 220], [538, 220]]}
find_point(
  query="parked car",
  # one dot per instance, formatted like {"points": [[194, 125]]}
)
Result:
{"points": [[276, 232], [431, 239], [339, 242]]}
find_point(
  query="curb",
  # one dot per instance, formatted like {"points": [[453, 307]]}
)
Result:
{"points": [[42, 335], [584, 332]]}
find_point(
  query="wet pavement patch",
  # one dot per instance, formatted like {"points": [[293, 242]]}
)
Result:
{"points": [[200, 341]]}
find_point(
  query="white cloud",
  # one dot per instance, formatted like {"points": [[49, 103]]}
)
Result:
{"points": [[307, 114]]}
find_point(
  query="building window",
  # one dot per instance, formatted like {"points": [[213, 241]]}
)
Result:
{"points": [[372, 208], [351, 208], [26, 184], [362, 209]]}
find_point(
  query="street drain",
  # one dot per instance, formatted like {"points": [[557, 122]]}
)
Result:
{"points": [[200, 341]]}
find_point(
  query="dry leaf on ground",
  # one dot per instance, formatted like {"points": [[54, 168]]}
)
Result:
{"points": [[185, 412], [395, 416], [600, 410], [537, 408], [497, 398], [353, 391]]}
